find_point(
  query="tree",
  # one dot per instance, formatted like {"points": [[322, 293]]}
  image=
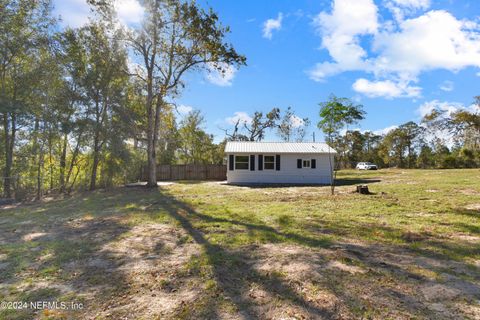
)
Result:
{"points": [[355, 142], [412, 134], [259, 125], [44, 112], [169, 138], [196, 146], [462, 124], [236, 135], [105, 84], [372, 146], [70, 101], [425, 158], [176, 37], [23, 32], [292, 127], [335, 114], [394, 146]]}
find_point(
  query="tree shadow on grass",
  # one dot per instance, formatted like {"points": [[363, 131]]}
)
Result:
{"points": [[232, 271], [349, 181], [78, 249], [235, 273], [468, 212], [338, 182], [56, 252]]}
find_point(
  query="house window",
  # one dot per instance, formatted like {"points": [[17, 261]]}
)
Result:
{"points": [[269, 163], [241, 162], [306, 163]]}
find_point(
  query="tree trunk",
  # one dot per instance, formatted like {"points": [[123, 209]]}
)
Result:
{"points": [[63, 163], [333, 173], [152, 169], [151, 152], [6, 168], [96, 159], [39, 155], [9, 144], [39, 174], [73, 161], [50, 159]]}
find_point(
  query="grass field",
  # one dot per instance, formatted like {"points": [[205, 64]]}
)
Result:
{"points": [[211, 251]]}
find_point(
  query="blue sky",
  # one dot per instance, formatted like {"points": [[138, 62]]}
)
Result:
{"points": [[399, 58]]}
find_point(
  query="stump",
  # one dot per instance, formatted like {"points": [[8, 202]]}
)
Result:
{"points": [[363, 189]]}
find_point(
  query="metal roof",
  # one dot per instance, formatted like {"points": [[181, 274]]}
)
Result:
{"points": [[277, 147]]}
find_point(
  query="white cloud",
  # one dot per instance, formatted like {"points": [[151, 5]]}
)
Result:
{"points": [[478, 74], [184, 109], [447, 86], [129, 11], [135, 67], [402, 8], [221, 74], [340, 32], [400, 50], [417, 4], [272, 24], [448, 107], [387, 89], [435, 40], [75, 13], [384, 131], [239, 116], [296, 121]]}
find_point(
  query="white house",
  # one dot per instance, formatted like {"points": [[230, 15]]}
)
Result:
{"points": [[279, 162]]}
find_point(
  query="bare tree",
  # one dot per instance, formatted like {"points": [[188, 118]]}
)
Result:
{"points": [[292, 127], [258, 126]]}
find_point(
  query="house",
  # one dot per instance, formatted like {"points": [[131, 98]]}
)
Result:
{"points": [[279, 162]]}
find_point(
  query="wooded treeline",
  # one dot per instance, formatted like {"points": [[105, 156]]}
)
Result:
{"points": [[444, 138], [88, 107]]}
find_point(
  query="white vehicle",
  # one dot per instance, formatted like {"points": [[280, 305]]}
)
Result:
{"points": [[366, 166]]}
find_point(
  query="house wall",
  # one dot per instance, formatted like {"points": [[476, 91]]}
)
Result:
{"points": [[288, 173]]}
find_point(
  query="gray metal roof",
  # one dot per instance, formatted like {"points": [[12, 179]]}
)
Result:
{"points": [[277, 147]]}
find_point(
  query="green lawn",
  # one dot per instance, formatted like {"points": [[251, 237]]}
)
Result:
{"points": [[206, 250]]}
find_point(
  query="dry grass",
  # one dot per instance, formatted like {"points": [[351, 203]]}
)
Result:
{"points": [[212, 251]]}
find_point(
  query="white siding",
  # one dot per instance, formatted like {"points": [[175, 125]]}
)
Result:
{"points": [[288, 173]]}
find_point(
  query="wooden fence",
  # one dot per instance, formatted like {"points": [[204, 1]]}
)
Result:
{"points": [[189, 172]]}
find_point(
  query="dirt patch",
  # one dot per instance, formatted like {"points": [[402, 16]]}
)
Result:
{"points": [[439, 292], [470, 192], [293, 283], [470, 310], [32, 236], [368, 272], [337, 265], [466, 237], [473, 206], [414, 236], [151, 259]]}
